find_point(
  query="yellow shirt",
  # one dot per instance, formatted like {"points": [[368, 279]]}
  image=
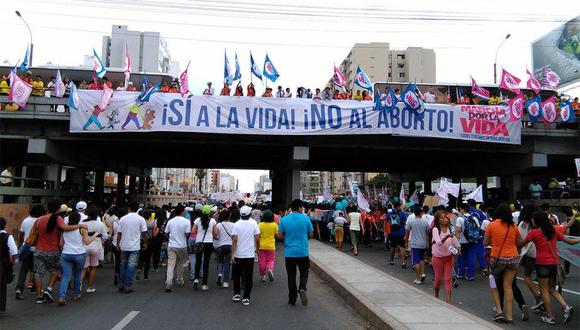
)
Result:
{"points": [[4, 87], [357, 97], [37, 88], [268, 232]]}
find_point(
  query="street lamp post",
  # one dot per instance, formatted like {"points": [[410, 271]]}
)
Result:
{"points": [[30, 33], [495, 61]]}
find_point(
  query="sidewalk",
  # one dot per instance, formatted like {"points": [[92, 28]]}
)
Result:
{"points": [[386, 302]]}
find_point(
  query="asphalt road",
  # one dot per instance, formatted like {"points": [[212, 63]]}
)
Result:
{"points": [[475, 297], [185, 308]]}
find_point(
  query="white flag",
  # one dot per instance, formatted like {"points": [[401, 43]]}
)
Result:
{"points": [[301, 195], [361, 201], [350, 185], [402, 199], [19, 90], [452, 188], [442, 193], [59, 87], [476, 195]]}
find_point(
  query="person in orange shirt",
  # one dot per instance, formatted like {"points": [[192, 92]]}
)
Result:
{"points": [[267, 92], [131, 87], [164, 88], [366, 96], [239, 90], [576, 107], [226, 90], [251, 91], [174, 88]]}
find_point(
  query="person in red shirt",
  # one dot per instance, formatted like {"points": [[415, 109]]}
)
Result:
{"points": [[94, 86], [366, 96], [226, 90], [239, 90], [545, 238], [268, 92], [336, 95], [131, 87], [174, 88], [251, 91], [27, 77], [47, 254], [164, 88]]}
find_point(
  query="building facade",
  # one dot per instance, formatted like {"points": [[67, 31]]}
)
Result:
{"points": [[380, 63], [148, 51]]}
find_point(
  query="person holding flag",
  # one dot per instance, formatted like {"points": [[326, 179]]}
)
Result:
{"points": [[270, 71], [362, 80], [255, 71]]}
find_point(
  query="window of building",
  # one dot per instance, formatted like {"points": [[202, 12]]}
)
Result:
{"points": [[401, 75], [400, 65], [372, 57], [400, 56], [390, 75], [390, 66]]}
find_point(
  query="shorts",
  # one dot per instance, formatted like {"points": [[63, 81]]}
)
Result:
{"points": [[92, 258], [354, 237], [418, 255], [528, 263], [45, 262], [547, 271], [397, 241]]}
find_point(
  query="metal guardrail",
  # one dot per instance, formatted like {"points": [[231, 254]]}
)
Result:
{"points": [[571, 193]]}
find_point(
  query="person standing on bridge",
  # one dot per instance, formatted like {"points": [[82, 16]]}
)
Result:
{"points": [[296, 229], [209, 91], [132, 229]]}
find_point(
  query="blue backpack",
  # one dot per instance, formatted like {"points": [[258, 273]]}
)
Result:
{"points": [[471, 230]]}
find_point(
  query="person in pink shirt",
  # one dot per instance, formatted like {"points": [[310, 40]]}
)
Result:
{"points": [[445, 246]]}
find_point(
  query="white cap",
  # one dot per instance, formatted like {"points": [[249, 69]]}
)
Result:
{"points": [[81, 206], [245, 211], [198, 207], [214, 208], [189, 209]]}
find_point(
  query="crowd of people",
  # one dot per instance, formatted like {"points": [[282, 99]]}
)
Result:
{"points": [[60, 243]]}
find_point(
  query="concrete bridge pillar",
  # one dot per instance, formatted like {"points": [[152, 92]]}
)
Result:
{"points": [[52, 172], [99, 186], [286, 176]]}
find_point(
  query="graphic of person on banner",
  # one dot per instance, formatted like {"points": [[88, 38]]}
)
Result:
{"points": [[94, 118], [134, 110]]}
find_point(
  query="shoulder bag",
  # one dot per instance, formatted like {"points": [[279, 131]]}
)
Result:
{"points": [[196, 247], [560, 272], [494, 266], [33, 236]]}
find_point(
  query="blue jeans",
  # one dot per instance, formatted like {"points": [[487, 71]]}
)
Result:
{"points": [[224, 255], [68, 263], [129, 261], [467, 258], [480, 254], [191, 241]]}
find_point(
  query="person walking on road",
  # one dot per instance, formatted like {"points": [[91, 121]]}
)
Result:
{"points": [[245, 244], [445, 246], [27, 257], [132, 229], [296, 229], [416, 238], [94, 247], [223, 246], [397, 219], [267, 252], [178, 229], [205, 229], [354, 220]]}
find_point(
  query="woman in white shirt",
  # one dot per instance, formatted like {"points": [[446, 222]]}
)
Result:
{"points": [[205, 230], [223, 247], [354, 218], [73, 257], [93, 249]]}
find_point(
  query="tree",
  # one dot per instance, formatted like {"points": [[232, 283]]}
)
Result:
{"points": [[200, 173]]}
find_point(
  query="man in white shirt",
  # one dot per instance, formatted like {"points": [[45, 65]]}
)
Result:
{"points": [[468, 246], [280, 92], [178, 229], [27, 261], [209, 90], [132, 229], [430, 97], [245, 243]]}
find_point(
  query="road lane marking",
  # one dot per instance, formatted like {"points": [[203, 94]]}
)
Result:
{"points": [[126, 320], [569, 291]]}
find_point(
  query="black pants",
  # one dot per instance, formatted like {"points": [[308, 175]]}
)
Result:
{"points": [[25, 267], [206, 254], [303, 264], [117, 254], [243, 270], [518, 297], [156, 251], [3, 288], [145, 258]]}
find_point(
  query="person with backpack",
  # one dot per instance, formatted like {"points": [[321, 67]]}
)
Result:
{"points": [[8, 252], [467, 226], [398, 219]]}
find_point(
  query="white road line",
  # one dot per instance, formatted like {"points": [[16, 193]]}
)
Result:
{"points": [[126, 320], [569, 291]]}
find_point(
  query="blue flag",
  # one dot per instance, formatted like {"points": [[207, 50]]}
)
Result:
{"points": [[410, 98], [73, 97], [362, 80], [567, 112], [379, 105], [145, 83], [228, 78], [270, 71], [534, 108], [390, 99], [255, 70], [145, 96], [99, 67], [238, 73], [24, 66]]}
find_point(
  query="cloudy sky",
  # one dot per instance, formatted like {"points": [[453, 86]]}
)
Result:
{"points": [[303, 37]]}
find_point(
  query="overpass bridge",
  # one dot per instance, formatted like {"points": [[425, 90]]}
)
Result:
{"points": [[37, 142]]}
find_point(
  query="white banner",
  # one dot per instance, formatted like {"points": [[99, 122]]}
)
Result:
{"points": [[168, 112]]}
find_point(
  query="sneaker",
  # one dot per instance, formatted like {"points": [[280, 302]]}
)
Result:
{"points": [[47, 295], [568, 313], [303, 297], [246, 302], [226, 285], [146, 277], [459, 277], [404, 265], [417, 282], [539, 303], [91, 290], [195, 284], [127, 290], [76, 298], [270, 275], [181, 283], [498, 317], [121, 289], [548, 320], [219, 280], [391, 262], [236, 298], [423, 277], [204, 287], [167, 288], [471, 279], [525, 313], [39, 300], [19, 295], [263, 278]]}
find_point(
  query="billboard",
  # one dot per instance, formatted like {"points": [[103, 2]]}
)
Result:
{"points": [[559, 50]]}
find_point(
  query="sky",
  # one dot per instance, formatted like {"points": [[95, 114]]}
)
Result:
{"points": [[302, 37], [246, 178]]}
